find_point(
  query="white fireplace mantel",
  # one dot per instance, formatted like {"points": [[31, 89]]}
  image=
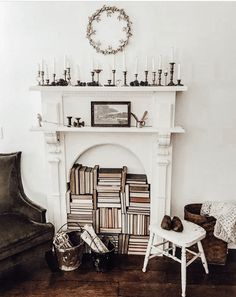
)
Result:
{"points": [[151, 145]]}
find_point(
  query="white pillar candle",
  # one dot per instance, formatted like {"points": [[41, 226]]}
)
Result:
{"points": [[114, 63], [65, 62], [124, 62], [47, 74], [179, 72], [77, 72], [146, 64], [54, 65], [172, 55], [153, 64], [42, 68], [160, 62], [136, 65]]}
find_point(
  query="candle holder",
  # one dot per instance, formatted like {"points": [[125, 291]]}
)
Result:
{"points": [[159, 77], [47, 81], [154, 78], [38, 78], [125, 79], [42, 78], [65, 74], [92, 74], [172, 65], [69, 124], [97, 71], [165, 74], [68, 76], [114, 77], [179, 82], [54, 78], [78, 123], [146, 77]]}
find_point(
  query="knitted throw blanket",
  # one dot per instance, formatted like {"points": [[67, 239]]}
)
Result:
{"points": [[225, 214]]}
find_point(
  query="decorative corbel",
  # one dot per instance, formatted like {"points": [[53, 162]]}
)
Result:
{"points": [[164, 141], [53, 141]]}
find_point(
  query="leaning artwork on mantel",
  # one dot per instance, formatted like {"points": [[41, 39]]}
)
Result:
{"points": [[110, 114]]}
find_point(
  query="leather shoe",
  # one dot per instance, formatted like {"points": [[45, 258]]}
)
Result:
{"points": [[166, 223], [177, 225]]}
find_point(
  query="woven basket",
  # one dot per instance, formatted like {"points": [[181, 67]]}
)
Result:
{"points": [[214, 248]]}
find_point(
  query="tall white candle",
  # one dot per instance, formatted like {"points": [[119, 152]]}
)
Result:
{"points": [[65, 62], [39, 67], [179, 72], [114, 63], [77, 72], [54, 65], [146, 64], [110, 72], [47, 74], [92, 65], [153, 64], [172, 55], [124, 62], [42, 66], [136, 65], [160, 62]]}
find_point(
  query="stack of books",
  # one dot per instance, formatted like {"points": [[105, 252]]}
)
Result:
{"points": [[110, 220], [81, 211], [123, 243], [137, 245]]}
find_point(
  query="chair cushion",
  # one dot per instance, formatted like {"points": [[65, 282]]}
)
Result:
{"points": [[17, 233]]}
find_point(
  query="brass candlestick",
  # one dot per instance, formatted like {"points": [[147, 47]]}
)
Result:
{"points": [[179, 82], [97, 71], [125, 76], [146, 77], [114, 77], [154, 78], [42, 78], [159, 77], [165, 74], [171, 83], [68, 76], [92, 74]]}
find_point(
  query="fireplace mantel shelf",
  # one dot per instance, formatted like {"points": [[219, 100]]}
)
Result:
{"points": [[87, 129], [74, 89]]}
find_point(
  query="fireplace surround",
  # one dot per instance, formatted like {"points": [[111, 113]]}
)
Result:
{"points": [[144, 150]]}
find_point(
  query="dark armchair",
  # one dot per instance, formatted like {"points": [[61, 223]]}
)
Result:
{"points": [[23, 227]]}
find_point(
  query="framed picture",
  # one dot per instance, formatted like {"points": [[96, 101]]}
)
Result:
{"points": [[110, 113]]}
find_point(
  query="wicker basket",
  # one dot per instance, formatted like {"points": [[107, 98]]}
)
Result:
{"points": [[214, 248]]}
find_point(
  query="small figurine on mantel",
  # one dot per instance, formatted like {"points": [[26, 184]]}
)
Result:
{"points": [[140, 123]]}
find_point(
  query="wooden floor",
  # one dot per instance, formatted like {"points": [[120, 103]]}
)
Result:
{"points": [[162, 279]]}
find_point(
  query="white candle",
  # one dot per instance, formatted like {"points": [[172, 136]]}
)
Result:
{"points": [[47, 75], [172, 55], [160, 62], [124, 62], [114, 63], [65, 62], [54, 65], [136, 65], [179, 72], [39, 68], [153, 64], [92, 64], [110, 72], [166, 71], [77, 72], [42, 68], [146, 64]]}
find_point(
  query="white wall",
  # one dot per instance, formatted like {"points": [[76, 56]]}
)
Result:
{"points": [[204, 36]]}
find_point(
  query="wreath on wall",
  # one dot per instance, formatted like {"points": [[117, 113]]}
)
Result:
{"points": [[123, 30]]}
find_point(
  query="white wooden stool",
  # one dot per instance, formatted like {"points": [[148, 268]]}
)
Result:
{"points": [[192, 234]]}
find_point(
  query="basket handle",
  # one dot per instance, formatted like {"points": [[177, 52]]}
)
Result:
{"points": [[67, 224]]}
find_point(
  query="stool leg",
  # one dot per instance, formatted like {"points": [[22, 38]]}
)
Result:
{"points": [[148, 251], [183, 271], [203, 257]]}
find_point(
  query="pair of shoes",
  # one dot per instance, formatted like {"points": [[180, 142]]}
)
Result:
{"points": [[175, 224]]}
